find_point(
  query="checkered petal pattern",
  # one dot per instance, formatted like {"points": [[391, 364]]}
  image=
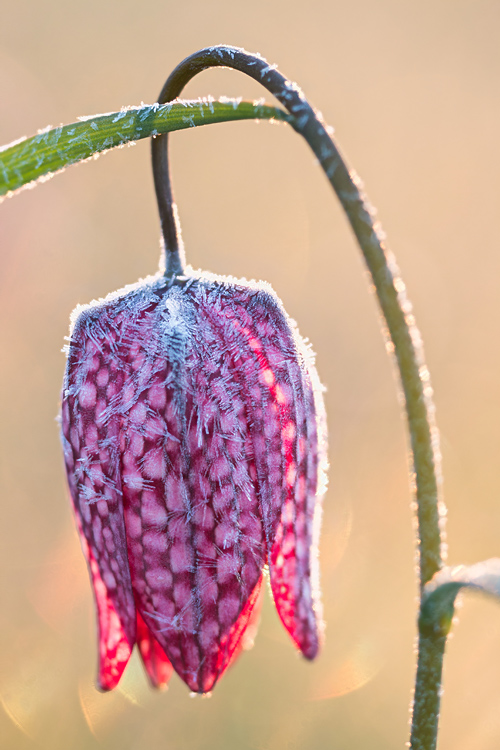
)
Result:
{"points": [[194, 441]]}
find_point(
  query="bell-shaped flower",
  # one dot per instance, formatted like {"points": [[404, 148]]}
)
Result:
{"points": [[194, 439]]}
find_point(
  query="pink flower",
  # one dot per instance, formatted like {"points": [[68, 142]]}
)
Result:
{"points": [[193, 424]]}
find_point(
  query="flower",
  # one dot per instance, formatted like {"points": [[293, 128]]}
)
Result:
{"points": [[193, 432]]}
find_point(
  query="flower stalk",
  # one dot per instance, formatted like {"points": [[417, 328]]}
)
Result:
{"points": [[397, 312]]}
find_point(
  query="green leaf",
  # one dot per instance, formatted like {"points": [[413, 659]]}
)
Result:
{"points": [[440, 592], [39, 157]]}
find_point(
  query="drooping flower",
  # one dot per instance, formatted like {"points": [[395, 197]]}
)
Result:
{"points": [[194, 441]]}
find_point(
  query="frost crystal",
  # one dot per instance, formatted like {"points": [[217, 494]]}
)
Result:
{"points": [[194, 439]]}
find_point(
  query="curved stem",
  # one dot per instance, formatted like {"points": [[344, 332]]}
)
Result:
{"points": [[390, 289]]}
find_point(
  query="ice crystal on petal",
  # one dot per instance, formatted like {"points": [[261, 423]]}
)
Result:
{"points": [[194, 440]]}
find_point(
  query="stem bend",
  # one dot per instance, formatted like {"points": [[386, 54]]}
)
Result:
{"points": [[396, 308], [389, 286]]}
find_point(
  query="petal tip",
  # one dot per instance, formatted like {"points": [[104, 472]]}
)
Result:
{"points": [[310, 652]]}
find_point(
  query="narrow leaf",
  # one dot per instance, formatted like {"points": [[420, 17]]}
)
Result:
{"points": [[39, 157], [441, 591]]}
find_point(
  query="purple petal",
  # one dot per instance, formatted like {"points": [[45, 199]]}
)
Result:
{"points": [[155, 660], [90, 436]]}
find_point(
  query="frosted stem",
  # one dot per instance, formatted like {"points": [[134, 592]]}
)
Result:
{"points": [[396, 309]]}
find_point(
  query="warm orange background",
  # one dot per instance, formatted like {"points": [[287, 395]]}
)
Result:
{"points": [[413, 92]]}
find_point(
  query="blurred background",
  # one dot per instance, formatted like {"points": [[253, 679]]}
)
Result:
{"points": [[412, 90]]}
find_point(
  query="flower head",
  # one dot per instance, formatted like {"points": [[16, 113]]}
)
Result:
{"points": [[193, 431]]}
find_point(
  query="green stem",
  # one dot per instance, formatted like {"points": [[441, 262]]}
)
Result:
{"points": [[33, 158], [396, 309], [425, 713]]}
